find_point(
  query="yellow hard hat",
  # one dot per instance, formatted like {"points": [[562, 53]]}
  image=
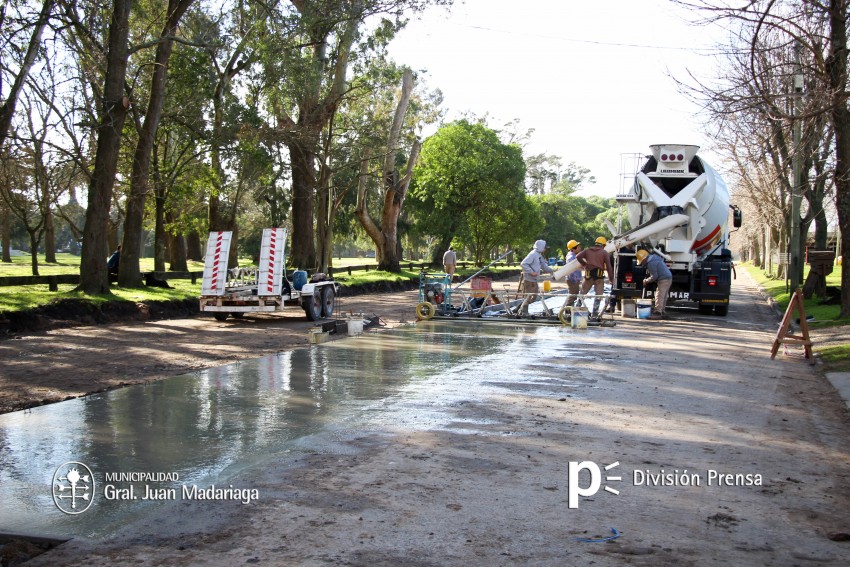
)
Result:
{"points": [[641, 255], [571, 244], [602, 240]]}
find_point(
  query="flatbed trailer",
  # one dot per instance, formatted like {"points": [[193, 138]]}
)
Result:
{"points": [[263, 289]]}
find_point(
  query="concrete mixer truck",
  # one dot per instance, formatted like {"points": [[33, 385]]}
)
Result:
{"points": [[679, 208]]}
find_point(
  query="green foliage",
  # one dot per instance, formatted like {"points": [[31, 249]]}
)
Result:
{"points": [[568, 217], [824, 315], [469, 185]]}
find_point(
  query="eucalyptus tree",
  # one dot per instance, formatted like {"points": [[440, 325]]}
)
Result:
{"points": [[394, 185], [181, 173], [332, 42], [112, 104], [129, 274]]}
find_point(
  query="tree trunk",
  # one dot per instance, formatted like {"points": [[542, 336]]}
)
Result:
{"points": [[443, 245], [129, 274], [94, 278], [159, 239], [194, 249], [395, 189], [757, 253], [177, 251], [303, 254], [394, 195], [49, 237], [836, 66], [5, 235], [33, 251]]}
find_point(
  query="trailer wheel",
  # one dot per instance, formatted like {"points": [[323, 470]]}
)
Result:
{"points": [[425, 311], [721, 310], [313, 305], [219, 316], [565, 315], [328, 301]]}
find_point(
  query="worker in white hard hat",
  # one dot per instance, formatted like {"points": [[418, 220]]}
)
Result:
{"points": [[596, 262], [574, 279], [659, 273], [533, 267]]}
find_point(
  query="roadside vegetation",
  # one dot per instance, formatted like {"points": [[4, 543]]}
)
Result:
{"points": [[836, 358], [19, 298]]}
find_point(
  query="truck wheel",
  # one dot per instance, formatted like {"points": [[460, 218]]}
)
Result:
{"points": [[425, 311], [721, 310], [313, 305], [328, 301], [220, 316]]}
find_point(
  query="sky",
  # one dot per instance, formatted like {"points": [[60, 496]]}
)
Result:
{"points": [[590, 78]]}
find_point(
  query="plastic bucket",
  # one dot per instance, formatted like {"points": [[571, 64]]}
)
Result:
{"points": [[299, 278], [629, 308], [644, 309], [579, 318], [480, 286], [355, 326]]}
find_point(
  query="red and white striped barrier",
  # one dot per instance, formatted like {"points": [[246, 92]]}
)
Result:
{"points": [[215, 263]]}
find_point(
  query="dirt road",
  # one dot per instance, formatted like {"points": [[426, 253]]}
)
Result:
{"points": [[718, 456]]}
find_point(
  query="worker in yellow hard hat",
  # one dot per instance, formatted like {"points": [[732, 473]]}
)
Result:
{"points": [[660, 274], [596, 262], [574, 279]]}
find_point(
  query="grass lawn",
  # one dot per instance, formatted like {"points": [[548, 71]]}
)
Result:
{"points": [[824, 315], [835, 358], [27, 297]]}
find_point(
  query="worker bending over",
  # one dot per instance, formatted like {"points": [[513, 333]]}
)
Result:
{"points": [[661, 275]]}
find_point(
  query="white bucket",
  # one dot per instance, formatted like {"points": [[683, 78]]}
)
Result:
{"points": [[355, 326], [629, 308], [644, 308], [579, 318]]}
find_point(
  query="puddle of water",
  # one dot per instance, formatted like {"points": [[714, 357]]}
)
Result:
{"points": [[206, 427]]}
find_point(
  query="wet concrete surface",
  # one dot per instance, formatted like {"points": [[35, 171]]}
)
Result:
{"points": [[442, 444]]}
